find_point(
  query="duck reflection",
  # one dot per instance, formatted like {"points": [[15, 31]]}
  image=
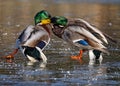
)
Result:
{"points": [[33, 71], [97, 74]]}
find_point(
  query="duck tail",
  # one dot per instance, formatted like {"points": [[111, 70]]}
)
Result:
{"points": [[104, 50], [94, 54], [110, 38]]}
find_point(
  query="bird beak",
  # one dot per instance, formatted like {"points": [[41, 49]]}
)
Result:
{"points": [[45, 21]]}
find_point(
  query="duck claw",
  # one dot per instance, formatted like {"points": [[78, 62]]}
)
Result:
{"points": [[9, 57], [78, 58]]}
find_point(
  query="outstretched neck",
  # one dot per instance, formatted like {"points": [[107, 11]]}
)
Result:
{"points": [[47, 28]]}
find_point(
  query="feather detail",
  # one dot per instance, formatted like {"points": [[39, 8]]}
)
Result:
{"points": [[81, 41], [92, 40], [25, 34], [84, 32], [36, 36], [93, 29], [41, 44]]}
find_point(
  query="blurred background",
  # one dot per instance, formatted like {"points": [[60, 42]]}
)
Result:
{"points": [[15, 15]]}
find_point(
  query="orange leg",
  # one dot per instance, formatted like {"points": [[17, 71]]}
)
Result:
{"points": [[78, 57], [11, 55]]}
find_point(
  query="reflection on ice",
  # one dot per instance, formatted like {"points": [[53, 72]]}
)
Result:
{"points": [[60, 69]]}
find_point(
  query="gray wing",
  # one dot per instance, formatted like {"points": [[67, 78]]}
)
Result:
{"points": [[39, 37], [72, 38], [97, 33], [26, 33]]}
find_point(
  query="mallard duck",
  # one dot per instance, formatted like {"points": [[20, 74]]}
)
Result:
{"points": [[80, 33], [34, 39]]}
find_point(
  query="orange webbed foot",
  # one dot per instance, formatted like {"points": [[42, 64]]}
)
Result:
{"points": [[76, 57], [9, 57]]}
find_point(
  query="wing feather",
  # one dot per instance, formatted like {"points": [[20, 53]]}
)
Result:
{"points": [[25, 34], [92, 29], [84, 32], [37, 38]]}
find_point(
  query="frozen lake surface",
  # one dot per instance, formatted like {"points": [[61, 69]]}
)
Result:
{"points": [[60, 70]]}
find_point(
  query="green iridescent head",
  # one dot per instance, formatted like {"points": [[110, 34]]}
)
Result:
{"points": [[42, 17], [59, 20]]}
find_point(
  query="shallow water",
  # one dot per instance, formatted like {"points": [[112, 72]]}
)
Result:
{"points": [[60, 70]]}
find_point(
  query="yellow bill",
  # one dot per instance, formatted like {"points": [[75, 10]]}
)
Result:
{"points": [[45, 21]]}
